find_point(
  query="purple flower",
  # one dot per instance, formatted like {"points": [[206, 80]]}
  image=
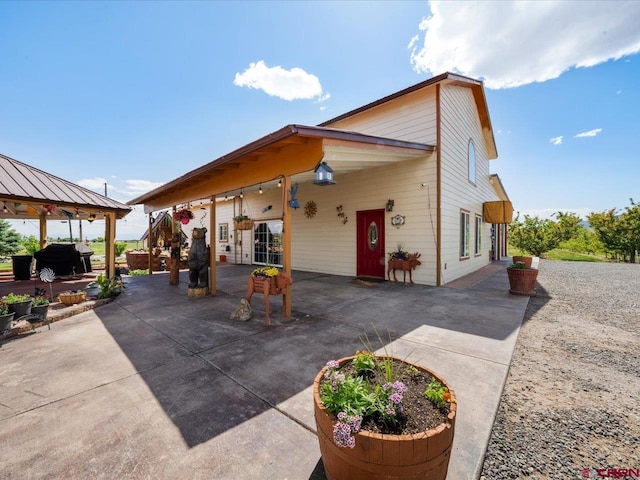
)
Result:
{"points": [[342, 416], [390, 411], [396, 398], [399, 387], [333, 364]]}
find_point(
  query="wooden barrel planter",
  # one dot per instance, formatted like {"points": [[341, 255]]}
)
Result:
{"points": [[526, 260], [522, 281], [422, 456]]}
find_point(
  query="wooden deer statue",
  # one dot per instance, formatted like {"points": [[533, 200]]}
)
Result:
{"points": [[404, 265]]}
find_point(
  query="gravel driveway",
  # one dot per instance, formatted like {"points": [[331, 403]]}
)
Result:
{"points": [[571, 404]]}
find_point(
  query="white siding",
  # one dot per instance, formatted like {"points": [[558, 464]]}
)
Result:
{"points": [[460, 123], [324, 244], [411, 118]]}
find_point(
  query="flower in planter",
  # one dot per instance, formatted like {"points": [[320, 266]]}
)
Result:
{"points": [[183, 216], [369, 392], [4, 308], [265, 272]]}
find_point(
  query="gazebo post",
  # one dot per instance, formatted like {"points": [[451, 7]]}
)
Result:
{"points": [[286, 245], [110, 248], [43, 230], [149, 245]]}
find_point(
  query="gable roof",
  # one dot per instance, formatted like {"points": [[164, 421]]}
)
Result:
{"points": [[21, 185], [446, 78]]}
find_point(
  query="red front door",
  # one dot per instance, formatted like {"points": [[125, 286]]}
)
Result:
{"points": [[371, 257]]}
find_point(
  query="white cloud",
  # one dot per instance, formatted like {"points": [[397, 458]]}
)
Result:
{"points": [[289, 85], [556, 140], [509, 44], [95, 183], [590, 133]]}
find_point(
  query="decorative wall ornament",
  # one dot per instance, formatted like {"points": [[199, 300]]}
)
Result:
{"points": [[310, 209], [397, 220], [293, 201], [341, 214]]}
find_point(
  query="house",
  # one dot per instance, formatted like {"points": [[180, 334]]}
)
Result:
{"points": [[411, 171]]}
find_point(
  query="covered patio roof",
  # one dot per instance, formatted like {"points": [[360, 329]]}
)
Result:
{"points": [[293, 151], [27, 192]]}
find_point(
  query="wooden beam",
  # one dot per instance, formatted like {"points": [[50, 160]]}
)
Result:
{"points": [[150, 244], [286, 245], [212, 248], [43, 230]]}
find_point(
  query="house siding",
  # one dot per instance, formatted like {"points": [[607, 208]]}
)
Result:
{"points": [[324, 244], [460, 123], [410, 118]]}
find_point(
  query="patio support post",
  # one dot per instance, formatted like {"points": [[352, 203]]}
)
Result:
{"points": [[286, 244], [212, 247], [149, 245], [43, 230], [110, 247]]}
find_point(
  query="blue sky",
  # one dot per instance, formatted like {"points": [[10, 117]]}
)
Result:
{"points": [[134, 94]]}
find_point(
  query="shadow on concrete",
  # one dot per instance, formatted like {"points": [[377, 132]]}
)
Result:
{"points": [[211, 374]]}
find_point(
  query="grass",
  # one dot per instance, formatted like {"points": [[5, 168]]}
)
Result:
{"points": [[563, 255], [98, 248]]}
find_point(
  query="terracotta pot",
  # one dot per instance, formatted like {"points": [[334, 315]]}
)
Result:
{"points": [[375, 457], [21, 308], [522, 281], [526, 260], [5, 321]]}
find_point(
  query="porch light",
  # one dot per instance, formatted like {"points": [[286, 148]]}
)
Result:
{"points": [[324, 174], [389, 205]]}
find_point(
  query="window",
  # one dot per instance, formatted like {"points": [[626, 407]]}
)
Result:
{"points": [[223, 232], [465, 240], [472, 162], [478, 246]]}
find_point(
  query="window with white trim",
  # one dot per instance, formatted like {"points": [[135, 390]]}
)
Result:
{"points": [[478, 244], [465, 234]]}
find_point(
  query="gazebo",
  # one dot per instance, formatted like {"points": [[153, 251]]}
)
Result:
{"points": [[29, 193]]}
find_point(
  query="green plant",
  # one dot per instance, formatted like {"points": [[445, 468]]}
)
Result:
{"points": [[109, 287], [16, 298], [240, 218], [9, 239], [4, 308], [119, 248], [138, 273], [350, 395], [364, 361], [38, 301], [518, 266], [437, 393], [30, 244]]}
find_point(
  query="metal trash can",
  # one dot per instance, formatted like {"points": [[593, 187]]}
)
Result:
{"points": [[22, 267]]}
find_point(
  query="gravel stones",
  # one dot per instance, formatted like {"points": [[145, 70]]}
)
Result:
{"points": [[570, 403]]}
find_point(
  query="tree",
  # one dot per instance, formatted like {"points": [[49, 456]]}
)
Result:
{"points": [[619, 233], [30, 244], [533, 235], [119, 248], [9, 239]]}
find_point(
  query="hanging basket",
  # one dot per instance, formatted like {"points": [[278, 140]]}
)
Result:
{"points": [[243, 224]]}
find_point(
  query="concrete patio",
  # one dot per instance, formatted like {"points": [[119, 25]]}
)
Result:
{"points": [[159, 385]]}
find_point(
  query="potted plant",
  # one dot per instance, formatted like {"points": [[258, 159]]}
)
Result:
{"points": [[40, 306], [522, 280], [20, 305], [6, 317], [242, 222], [382, 417], [524, 259], [183, 216]]}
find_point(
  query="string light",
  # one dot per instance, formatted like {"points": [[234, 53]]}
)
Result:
{"points": [[5, 209], [279, 182], [225, 196], [241, 194], [260, 191]]}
